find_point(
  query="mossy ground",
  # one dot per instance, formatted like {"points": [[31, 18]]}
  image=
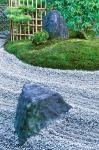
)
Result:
{"points": [[58, 53]]}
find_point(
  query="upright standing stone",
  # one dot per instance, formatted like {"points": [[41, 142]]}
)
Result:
{"points": [[36, 106], [55, 25]]}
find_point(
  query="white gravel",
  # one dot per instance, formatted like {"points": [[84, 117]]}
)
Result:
{"points": [[79, 130]]}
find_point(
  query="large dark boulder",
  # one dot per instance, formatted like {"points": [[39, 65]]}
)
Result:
{"points": [[54, 24], [36, 106]]}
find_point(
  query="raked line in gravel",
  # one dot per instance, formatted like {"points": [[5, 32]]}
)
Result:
{"points": [[79, 130]]}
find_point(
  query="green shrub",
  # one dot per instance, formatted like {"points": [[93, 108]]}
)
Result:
{"points": [[19, 19], [40, 37], [13, 11], [25, 8], [17, 14]]}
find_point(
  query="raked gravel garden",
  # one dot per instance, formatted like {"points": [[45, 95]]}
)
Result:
{"points": [[59, 51], [77, 130]]}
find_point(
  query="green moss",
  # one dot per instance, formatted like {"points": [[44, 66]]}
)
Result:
{"points": [[62, 54]]}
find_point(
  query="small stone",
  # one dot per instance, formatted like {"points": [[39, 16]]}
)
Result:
{"points": [[36, 106]]}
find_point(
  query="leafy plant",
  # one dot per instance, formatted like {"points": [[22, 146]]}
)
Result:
{"points": [[13, 11], [17, 15], [22, 18], [40, 37], [25, 8]]}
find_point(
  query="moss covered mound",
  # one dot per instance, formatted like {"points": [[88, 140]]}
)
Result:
{"points": [[60, 54]]}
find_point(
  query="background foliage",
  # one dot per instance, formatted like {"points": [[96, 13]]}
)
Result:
{"points": [[3, 1], [79, 14]]}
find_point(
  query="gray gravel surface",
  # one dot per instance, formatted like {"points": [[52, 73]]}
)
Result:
{"points": [[78, 130]]}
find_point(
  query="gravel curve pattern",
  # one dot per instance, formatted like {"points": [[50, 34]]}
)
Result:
{"points": [[77, 130]]}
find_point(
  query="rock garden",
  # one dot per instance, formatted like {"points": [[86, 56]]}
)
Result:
{"points": [[49, 75]]}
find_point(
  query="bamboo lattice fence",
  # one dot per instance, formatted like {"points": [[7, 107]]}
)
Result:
{"points": [[20, 31]]}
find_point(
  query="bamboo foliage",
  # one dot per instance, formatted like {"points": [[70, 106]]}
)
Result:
{"points": [[23, 30]]}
